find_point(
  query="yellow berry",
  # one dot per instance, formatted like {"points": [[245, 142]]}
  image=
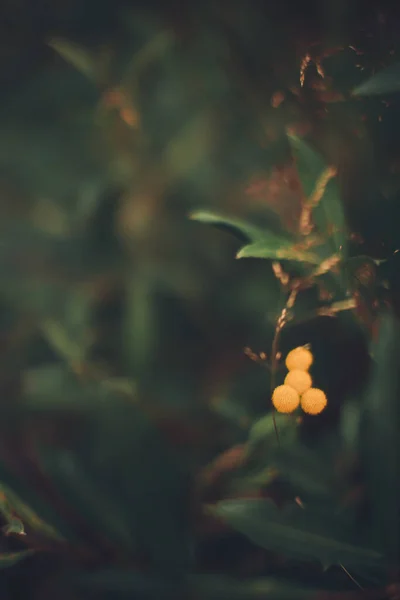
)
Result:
{"points": [[313, 401], [299, 359], [285, 399], [298, 380]]}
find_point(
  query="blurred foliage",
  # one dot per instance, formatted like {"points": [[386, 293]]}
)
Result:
{"points": [[139, 455]]}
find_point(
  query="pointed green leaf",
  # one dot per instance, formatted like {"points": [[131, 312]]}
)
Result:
{"points": [[88, 497], [380, 439], [261, 242], [41, 517], [76, 56], [11, 504], [57, 336], [124, 480], [14, 526], [246, 232], [386, 81], [263, 430], [276, 248], [9, 559], [295, 532], [328, 215]]}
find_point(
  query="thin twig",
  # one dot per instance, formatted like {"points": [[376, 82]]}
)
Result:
{"points": [[350, 576], [280, 324], [260, 359]]}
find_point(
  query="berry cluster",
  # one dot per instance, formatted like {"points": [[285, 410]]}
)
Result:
{"points": [[297, 388]]}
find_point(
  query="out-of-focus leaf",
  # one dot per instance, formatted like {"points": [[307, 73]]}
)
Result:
{"points": [[336, 307], [209, 587], [126, 482], [139, 325], [306, 471], [246, 232], [217, 587], [126, 448], [40, 516], [263, 430], [190, 147], [158, 45], [278, 249], [350, 421], [380, 440], [384, 82], [76, 56], [295, 533], [127, 584], [55, 388], [88, 496], [252, 481], [9, 559], [13, 527], [12, 505], [120, 385], [328, 215], [58, 337]]}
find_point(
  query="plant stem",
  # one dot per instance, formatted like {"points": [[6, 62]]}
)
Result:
{"points": [[280, 324]]}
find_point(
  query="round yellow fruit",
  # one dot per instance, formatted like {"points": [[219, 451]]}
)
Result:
{"points": [[298, 380], [285, 399], [313, 401], [299, 359]]}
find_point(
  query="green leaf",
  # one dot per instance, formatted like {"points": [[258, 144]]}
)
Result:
{"points": [[386, 81], [87, 495], [188, 148], [295, 533], [58, 338], [11, 504], [126, 448], [54, 388], [121, 385], [139, 335], [306, 470], [219, 587], [350, 420], [9, 559], [380, 440], [40, 516], [277, 248], [126, 583], [261, 243], [250, 481], [263, 430], [76, 56], [328, 214], [13, 526], [209, 587], [244, 231], [127, 483]]}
